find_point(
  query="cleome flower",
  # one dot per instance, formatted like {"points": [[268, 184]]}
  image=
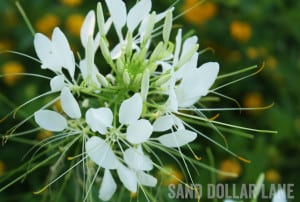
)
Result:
{"points": [[119, 127], [55, 54], [142, 98], [138, 131]]}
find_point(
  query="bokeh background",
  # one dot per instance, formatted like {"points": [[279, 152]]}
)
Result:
{"points": [[239, 34]]}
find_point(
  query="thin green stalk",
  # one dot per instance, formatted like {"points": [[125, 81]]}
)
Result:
{"points": [[221, 128], [191, 160], [24, 141], [29, 171], [22, 12], [237, 72]]}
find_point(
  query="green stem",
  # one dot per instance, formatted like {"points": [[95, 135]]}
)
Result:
{"points": [[25, 18], [29, 171], [238, 72]]}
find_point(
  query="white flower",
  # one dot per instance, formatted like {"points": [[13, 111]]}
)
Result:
{"points": [[137, 13], [138, 130], [53, 121], [196, 83], [164, 81], [55, 54], [177, 138]]}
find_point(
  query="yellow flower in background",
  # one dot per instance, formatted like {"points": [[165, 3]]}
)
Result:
{"points": [[5, 44], [272, 176], [73, 24], [170, 175], [240, 31], [271, 62], [234, 56], [230, 165], [47, 23], [12, 68], [2, 167], [252, 53], [200, 14], [71, 3], [252, 100], [10, 18]]}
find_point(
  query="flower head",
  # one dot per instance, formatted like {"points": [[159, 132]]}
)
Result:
{"points": [[143, 97], [117, 130]]}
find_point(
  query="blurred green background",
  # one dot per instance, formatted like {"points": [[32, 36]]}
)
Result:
{"points": [[240, 33]]}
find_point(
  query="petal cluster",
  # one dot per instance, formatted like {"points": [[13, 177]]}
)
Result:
{"points": [[123, 112]]}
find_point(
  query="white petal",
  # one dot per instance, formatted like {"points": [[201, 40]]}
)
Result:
{"points": [[116, 51], [101, 153], [137, 13], [179, 123], [99, 119], [136, 160], [118, 13], [107, 25], [50, 120], [172, 103], [127, 177], [188, 43], [279, 196], [178, 138], [108, 186], [57, 83], [196, 83], [163, 123], [145, 21], [143, 26], [63, 50], [187, 67], [139, 131], [46, 53], [96, 42], [87, 28], [69, 104], [84, 72], [162, 15], [165, 66], [145, 84], [146, 179], [131, 109], [209, 72], [178, 46]]}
